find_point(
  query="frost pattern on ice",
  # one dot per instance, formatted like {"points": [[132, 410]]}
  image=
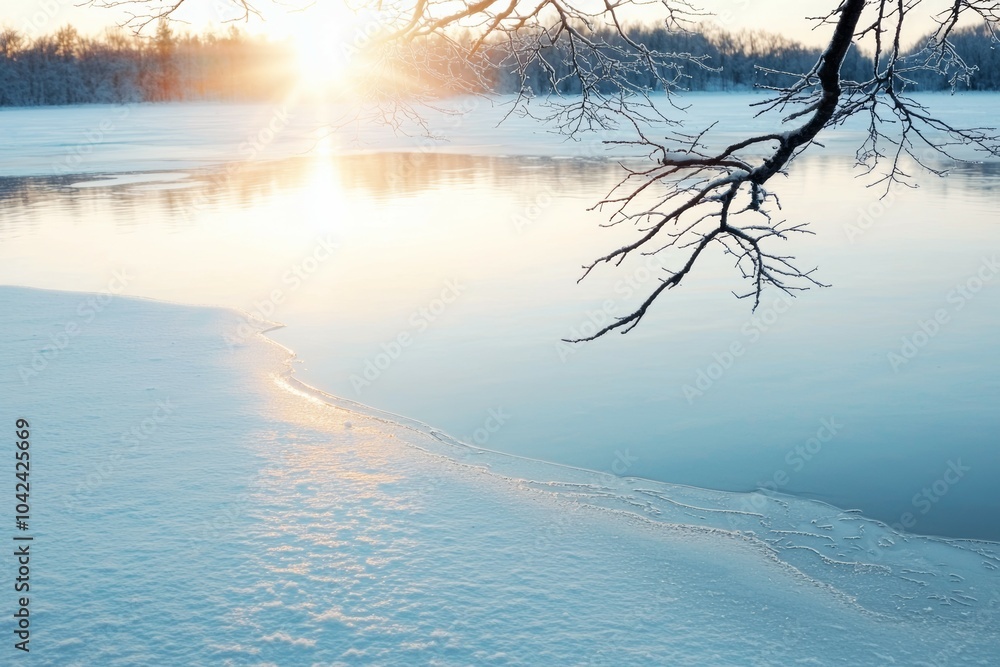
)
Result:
{"points": [[264, 523], [881, 570]]}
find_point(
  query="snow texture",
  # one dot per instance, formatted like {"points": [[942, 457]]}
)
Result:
{"points": [[202, 507]]}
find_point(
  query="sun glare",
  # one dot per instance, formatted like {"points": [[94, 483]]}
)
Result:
{"points": [[320, 58], [321, 36]]}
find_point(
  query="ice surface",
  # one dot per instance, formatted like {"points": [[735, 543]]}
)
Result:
{"points": [[99, 139], [408, 222], [201, 507], [168, 178]]}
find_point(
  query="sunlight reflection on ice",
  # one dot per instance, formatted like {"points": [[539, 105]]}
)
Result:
{"points": [[401, 225]]}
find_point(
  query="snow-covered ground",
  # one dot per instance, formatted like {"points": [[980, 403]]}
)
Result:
{"points": [[196, 507]]}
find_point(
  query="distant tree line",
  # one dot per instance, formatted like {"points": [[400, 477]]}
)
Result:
{"points": [[747, 59], [118, 67], [977, 47], [733, 61]]}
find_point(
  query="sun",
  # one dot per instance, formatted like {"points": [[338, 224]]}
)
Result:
{"points": [[322, 61], [321, 36]]}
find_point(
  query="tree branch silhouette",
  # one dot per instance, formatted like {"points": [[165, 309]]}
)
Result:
{"points": [[689, 199]]}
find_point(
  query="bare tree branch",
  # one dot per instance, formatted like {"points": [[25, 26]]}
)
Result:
{"points": [[689, 199]]}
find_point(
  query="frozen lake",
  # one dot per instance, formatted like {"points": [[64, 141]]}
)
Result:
{"points": [[437, 285]]}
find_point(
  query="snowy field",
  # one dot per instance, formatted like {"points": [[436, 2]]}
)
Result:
{"points": [[199, 508]]}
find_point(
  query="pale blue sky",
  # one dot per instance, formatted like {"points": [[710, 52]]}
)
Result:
{"points": [[784, 16]]}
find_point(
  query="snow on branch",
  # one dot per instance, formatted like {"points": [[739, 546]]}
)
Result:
{"points": [[599, 72]]}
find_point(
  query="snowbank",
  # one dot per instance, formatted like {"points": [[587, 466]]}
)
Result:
{"points": [[201, 507]]}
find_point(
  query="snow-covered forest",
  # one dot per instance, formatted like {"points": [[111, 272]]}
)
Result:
{"points": [[116, 67], [69, 68]]}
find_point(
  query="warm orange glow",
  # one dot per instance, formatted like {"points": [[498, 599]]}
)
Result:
{"points": [[322, 37]]}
